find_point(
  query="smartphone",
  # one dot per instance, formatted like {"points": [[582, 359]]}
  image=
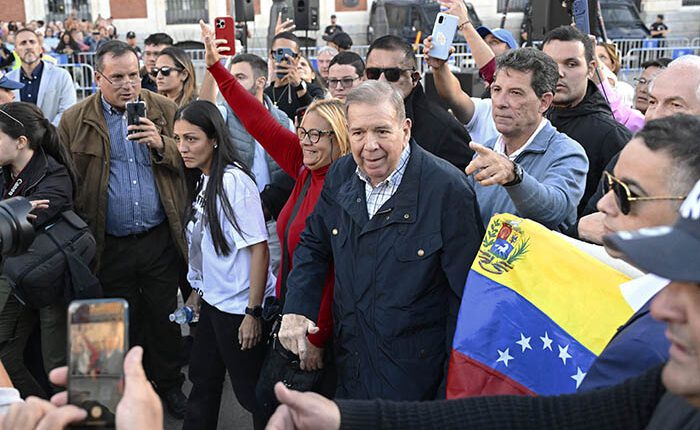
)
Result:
{"points": [[135, 110], [443, 34], [98, 340], [225, 28], [280, 55]]}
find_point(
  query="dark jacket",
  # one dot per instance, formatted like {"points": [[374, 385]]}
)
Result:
{"points": [[84, 131], [591, 124], [634, 405], [43, 178], [436, 130], [398, 276], [638, 345]]}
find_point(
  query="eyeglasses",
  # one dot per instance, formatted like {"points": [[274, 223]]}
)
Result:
{"points": [[345, 82], [12, 118], [392, 74], [625, 197], [121, 81], [165, 71], [642, 81], [313, 134]]}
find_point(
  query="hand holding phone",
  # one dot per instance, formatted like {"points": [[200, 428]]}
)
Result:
{"points": [[443, 34], [134, 111], [98, 339], [281, 55], [225, 29]]}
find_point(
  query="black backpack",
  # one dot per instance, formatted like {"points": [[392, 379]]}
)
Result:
{"points": [[55, 267]]}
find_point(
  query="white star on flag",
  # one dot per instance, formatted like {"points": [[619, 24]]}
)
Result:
{"points": [[564, 353], [504, 356], [547, 342], [524, 342], [578, 377]]}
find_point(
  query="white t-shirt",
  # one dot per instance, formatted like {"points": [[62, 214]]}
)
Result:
{"points": [[481, 127], [224, 281]]}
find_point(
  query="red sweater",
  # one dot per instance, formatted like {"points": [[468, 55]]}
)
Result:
{"points": [[284, 147]]}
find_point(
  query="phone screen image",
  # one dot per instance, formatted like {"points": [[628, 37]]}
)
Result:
{"points": [[98, 342], [134, 111]]}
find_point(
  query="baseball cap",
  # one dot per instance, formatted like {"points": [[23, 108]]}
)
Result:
{"points": [[341, 39], [500, 33], [668, 251], [130, 35], [9, 84]]}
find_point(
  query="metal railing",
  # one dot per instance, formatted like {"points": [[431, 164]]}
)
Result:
{"points": [[625, 45], [83, 78], [636, 57]]}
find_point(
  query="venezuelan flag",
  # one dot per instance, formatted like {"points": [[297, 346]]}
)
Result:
{"points": [[536, 311]]}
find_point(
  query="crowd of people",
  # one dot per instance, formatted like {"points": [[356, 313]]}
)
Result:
{"points": [[330, 216]]}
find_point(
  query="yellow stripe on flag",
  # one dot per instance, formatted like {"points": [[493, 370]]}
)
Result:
{"points": [[578, 292]]}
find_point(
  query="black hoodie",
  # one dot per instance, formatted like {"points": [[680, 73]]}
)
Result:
{"points": [[592, 124]]}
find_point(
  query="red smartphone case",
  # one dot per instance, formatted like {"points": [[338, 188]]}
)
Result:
{"points": [[225, 28]]}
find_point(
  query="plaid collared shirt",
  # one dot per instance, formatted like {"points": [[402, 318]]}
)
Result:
{"points": [[377, 196]]}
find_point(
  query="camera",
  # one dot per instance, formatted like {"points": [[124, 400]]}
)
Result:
{"points": [[220, 23], [16, 232]]}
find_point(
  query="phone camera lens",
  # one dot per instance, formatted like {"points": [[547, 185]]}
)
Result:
{"points": [[440, 20]]}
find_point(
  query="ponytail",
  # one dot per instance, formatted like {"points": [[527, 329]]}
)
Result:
{"points": [[52, 146]]}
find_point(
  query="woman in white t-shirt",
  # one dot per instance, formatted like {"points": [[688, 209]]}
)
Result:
{"points": [[228, 266]]}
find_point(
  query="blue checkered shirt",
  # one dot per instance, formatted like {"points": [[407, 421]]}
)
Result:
{"points": [[377, 196], [133, 201]]}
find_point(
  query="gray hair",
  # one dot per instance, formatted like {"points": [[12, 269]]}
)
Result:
{"points": [[325, 49], [545, 72], [376, 93], [691, 63]]}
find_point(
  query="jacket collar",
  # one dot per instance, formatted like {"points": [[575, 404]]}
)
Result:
{"points": [[401, 208], [31, 175], [415, 98], [540, 143]]}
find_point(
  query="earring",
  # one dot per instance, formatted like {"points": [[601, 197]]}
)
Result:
{"points": [[216, 145]]}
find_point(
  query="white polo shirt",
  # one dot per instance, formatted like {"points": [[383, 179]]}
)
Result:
{"points": [[224, 280]]}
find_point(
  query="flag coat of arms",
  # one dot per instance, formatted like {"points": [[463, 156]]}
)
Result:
{"points": [[535, 312]]}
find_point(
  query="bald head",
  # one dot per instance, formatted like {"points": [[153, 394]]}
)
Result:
{"points": [[676, 89]]}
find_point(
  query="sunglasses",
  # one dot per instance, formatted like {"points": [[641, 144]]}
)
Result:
{"points": [[345, 82], [392, 74], [165, 71], [625, 197], [313, 134]]}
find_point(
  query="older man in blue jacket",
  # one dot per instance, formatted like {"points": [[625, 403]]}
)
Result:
{"points": [[529, 169], [402, 227]]}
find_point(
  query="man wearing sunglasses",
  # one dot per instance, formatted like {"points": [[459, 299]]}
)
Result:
{"points": [[654, 173], [346, 71], [391, 59]]}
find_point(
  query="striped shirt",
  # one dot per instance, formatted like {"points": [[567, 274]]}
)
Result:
{"points": [[133, 201], [377, 196]]}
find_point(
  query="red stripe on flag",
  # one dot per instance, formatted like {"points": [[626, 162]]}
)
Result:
{"points": [[469, 378]]}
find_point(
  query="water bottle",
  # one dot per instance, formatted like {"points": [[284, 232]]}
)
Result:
{"points": [[184, 315]]}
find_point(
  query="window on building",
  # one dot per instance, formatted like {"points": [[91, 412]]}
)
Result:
{"points": [[186, 11], [513, 5], [59, 10], [691, 2]]}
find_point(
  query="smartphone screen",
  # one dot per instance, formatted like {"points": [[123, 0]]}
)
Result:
{"points": [[98, 341], [134, 110]]}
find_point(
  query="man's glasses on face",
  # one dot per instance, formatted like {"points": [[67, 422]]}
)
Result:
{"points": [[392, 74], [625, 197], [345, 82], [642, 81], [120, 80]]}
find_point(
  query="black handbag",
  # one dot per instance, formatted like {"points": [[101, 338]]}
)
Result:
{"points": [[55, 267], [281, 365]]}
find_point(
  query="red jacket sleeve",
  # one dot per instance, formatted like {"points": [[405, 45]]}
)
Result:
{"points": [[488, 71], [282, 145], [324, 322]]}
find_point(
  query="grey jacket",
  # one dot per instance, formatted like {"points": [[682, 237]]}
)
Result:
{"points": [[276, 193], [56, 91]]}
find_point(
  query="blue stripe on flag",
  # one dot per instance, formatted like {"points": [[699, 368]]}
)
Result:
{"points": [[503, 330]]}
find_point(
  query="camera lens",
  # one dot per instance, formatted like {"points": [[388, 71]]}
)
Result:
{"points": [[440, 19], [16, 233]]}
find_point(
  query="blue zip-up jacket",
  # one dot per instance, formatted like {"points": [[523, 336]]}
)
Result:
{"points": [[554, 179]]}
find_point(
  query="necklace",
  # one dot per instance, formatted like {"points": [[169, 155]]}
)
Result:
{"points": [[275, 99]]}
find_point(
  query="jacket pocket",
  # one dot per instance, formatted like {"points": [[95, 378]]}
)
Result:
{"points": [[417, 248], [421, 344]]}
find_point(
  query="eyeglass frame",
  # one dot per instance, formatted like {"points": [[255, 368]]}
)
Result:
{"points": [[341, 82], [121, 84], [307, 134], [624, 201], [155, 70], [383, 70], [646, 81]]}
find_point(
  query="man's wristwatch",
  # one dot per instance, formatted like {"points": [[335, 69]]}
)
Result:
{"points": [[518, 175], [301, 86], [255, 311]]}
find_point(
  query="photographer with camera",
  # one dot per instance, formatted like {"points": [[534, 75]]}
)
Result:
{"points": [[289, 92], [35, 166]]}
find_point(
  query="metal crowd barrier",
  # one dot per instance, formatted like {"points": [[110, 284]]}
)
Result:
{"points": [[626, 45], [636, 57], [83, 78]]}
